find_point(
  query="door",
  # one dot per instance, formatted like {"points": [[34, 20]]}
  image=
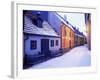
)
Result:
{"points": [[70, 43], [45, 46]]}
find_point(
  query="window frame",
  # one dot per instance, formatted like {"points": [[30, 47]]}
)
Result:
{"points": [[57, 43], [52, 43], [33, 44]]}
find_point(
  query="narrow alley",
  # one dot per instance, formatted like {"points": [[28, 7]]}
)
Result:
{"points": [[78, 56]]}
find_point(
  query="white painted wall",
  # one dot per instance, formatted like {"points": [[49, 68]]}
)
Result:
{"points": [[54, 48], [27, 46], [28, 51]]}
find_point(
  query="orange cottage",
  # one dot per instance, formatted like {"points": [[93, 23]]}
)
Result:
{"points": [[67, 37]]}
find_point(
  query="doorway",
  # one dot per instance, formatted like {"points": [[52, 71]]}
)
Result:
{"points": [[45, 46]]}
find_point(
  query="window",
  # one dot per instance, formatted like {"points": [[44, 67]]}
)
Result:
{"points": [[52, 43], [65, 33], [56, 42], [33, 44]]}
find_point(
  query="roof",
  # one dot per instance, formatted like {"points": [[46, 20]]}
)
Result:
{"points": [[30, 28], [64, 21], [70, 25], [78, 32]]}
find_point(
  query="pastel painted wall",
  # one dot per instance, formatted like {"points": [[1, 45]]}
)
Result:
{"points": [[72, 38], [54, 21], [28, 51], [75, 40], [55, 47], [27, 46], [67, 37]]}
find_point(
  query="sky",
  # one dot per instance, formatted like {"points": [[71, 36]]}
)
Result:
{"points": [[76, 19]]}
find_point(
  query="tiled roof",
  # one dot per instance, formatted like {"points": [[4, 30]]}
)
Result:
{"points": [[30, 28]]}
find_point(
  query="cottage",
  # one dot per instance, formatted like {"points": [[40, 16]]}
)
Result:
{"points": [[40, 39], [79, 38], [63, 28]]}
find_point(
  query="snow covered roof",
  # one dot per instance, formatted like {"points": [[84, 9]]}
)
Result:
{"points": [[30, 28], [64, 21], [77, 32], [70, 25]]}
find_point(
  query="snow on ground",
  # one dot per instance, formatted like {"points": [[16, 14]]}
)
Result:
{"points": [[78, 56]]}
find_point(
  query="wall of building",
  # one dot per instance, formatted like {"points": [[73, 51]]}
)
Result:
{"points": [[72, 38], [28, 51], [27, 46], [67, 37], [54, 48], [88, 28], [75, 40], [89, 34], [61, 28], [54, 21]]}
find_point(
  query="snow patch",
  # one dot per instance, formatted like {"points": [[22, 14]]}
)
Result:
{"points": [[79, 56], [29, 27]]}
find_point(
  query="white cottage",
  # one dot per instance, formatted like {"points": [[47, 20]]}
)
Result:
{"points": [[40, 41]]}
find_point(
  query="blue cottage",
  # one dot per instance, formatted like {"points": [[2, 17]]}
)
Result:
{"points": [[40, 39]]}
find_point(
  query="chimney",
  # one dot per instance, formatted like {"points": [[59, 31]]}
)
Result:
{"points": [[39, 20], [65, 17]]}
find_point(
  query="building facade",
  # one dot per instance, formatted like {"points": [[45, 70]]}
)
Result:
{"points": [[40, 39], [88, 29]]}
